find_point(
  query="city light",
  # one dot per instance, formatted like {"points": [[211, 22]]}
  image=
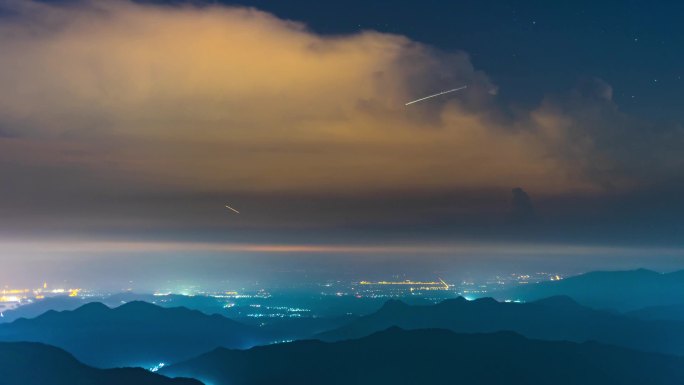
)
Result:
{"points": [[157, 367]]}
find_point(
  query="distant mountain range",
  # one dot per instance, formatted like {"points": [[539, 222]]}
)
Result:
{"points": [[556, 318], [398, 357], [133, 334], [206, 304], [618, 290], [27, 363], [325, 312], [327, 308]]}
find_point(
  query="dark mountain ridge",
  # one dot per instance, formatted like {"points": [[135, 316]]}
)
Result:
{"points": [[555, 318], [133, 334], [399, 357]]}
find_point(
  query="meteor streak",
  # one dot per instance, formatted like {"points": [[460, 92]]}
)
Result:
{"points": [[230, 208], [432, 96]]}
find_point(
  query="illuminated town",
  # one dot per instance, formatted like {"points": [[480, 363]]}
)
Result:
{"points": [[11, 298]]}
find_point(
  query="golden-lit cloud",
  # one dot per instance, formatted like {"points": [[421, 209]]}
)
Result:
{"points": [[234, 99]]}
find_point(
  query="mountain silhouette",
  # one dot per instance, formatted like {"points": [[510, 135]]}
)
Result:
{"points": [[206, 304], [432, 356], [29, 363], [619, 290], [555, 318], [133, 334]]}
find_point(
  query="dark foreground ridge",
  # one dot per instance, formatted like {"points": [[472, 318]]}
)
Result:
{"points": [[28, 363], [555, 318], [133, 334], [433, 356]]}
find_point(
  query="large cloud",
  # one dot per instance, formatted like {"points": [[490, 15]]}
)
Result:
{"points": [[119, 98], [218, 98]]}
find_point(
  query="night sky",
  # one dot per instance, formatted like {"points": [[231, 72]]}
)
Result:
{"points": [[126, 127]]}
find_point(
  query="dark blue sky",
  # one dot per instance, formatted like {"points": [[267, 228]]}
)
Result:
{"points": [[532, 48]]}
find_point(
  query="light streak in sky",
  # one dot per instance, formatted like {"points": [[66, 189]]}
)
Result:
{"points": [[432, 96], [230, 208]]}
